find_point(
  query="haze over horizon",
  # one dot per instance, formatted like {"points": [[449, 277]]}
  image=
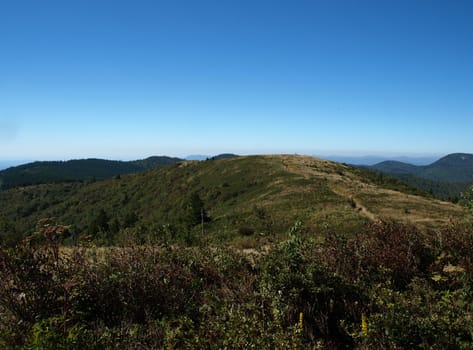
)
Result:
{"points": [[131, 79], [366, 160]]}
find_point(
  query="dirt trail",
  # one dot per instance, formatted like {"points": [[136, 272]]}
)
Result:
{"points": [[370, 200], [305, 166], [358, 206], [365, 212]]}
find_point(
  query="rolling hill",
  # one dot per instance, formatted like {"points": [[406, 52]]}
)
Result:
{"points": [[76, 170], [453, 168], [260, 195], [445, 178]]}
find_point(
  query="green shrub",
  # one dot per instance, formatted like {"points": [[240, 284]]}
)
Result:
{"points": [[246, 231], [409, 289], [298, 284], [420, 318]]}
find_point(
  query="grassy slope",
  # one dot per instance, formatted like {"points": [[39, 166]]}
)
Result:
{"points": [[378, 202], [326, 196]]}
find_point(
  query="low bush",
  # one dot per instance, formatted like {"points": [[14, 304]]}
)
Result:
{"points": [[246, 231], [389, 286]]}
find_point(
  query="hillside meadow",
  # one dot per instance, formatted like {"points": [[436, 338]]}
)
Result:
{"points": [[263, 252]]}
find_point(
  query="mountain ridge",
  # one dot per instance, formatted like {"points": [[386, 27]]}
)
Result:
{"points": [[454, 167], [39, 172], [369, 160], [261, 194], [445, 178], [77, 170]]}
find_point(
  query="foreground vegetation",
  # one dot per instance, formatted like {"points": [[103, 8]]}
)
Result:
{"points": [[388, 286], [267, 252]]}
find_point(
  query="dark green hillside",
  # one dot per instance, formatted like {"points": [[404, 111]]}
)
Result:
{"points": [[154, 162], [395, 167], [76, 170], [257, 195], [224, 156], [451, 191], [454, 168]]}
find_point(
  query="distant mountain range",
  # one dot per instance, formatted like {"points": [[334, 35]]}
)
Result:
{"points": [[445, 178], [84, 169], [372, 160], [457, 167], [206, 157]]}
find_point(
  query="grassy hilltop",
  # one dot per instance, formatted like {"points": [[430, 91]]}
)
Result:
{"points": [[261, 195]]}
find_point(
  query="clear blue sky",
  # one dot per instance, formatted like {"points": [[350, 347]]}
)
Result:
{"points": [[129, 79]]}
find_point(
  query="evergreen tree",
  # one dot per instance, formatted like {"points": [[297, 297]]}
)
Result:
{"points": [[195, 212], [99, 223], [8, 234]]}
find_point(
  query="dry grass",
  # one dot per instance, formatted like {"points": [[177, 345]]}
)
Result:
{"points": [[370, 201]]}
